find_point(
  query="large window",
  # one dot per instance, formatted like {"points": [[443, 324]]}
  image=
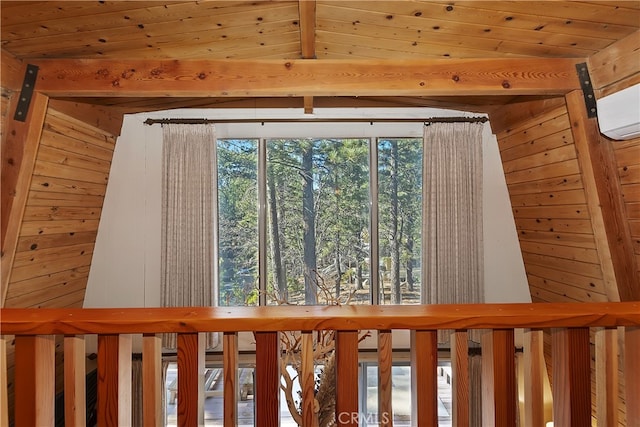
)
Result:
{"points": [[319, 221]]}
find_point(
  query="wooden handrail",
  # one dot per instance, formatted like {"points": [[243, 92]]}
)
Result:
{"points": [[45, 321], [569, 324]]}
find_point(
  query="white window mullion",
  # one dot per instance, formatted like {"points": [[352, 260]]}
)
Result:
{"points": [[374, 247], [262, 221]]}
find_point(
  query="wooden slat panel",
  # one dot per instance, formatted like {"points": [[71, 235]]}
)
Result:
{"points": [[632, 373], [124, 379], [35, 392], [571, 266], [424, 382], [460, 373], [569, 197], [558, 251], [499, 369], [347, 378], [589, 283], [61, 185], [385, 384], [549, 123], [33, 228], [108, 381], [565, 239], [44, 198], [50, 254], [555, 155], [616, 62], [307, 381], [74, 145], [75, 405], [152, 386], [55, 266], [554, 291], [230, 369], [534, 372], [561, 211], [190, 379], [530, 146], [569, 167], [561, 183], [267, 378], [4, 400], [607, 377], [571, 377]]}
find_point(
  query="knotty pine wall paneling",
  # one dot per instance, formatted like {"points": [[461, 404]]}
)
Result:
{"points": [[60, 223]]}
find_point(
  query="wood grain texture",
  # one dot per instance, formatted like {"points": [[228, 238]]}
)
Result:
{"points": [[571, 377], [152, 409], [236, 319], [606, 349], [190, 379], [35, 392], [615, 63], [534, 372], [385, 384], [306, 77], [504, 374], [4, 400], [307, 382], [230, 370], [75, 405], [632, 375], [18, 157], [424, 388], [347, 378], [108, 380], [267, 378], [460, 378], [606, 204]]}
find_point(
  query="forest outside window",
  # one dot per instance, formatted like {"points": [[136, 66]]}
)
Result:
{"points": [[313, 215]]}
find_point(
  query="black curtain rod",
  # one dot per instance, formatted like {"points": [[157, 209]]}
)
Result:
{"points": [[322, 120]]}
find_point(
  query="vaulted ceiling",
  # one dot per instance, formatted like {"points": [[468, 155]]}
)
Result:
{"points": [[306, 29]]}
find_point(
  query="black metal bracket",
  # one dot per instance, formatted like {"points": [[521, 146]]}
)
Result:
{"points": [[28, 85], [587, 90]]}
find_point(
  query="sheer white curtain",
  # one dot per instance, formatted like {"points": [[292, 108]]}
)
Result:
{"points": [[452, 193], [188, 160]]}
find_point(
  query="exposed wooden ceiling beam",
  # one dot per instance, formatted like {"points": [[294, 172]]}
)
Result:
{"points": [[307, 10], [306, 77]]}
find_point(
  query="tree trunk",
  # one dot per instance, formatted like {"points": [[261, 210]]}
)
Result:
{"points": [[308, 215], [276, 246], [394, 238]]}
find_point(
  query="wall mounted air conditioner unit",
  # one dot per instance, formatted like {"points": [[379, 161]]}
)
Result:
{"points": [[619, 113]]}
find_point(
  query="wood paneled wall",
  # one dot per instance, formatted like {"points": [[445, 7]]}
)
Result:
{"points": [[550, 209], [627, 155], [61, 218], [557, 237], [60, 223]]}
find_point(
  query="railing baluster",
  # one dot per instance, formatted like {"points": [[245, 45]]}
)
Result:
{"points": [[75, 412], [125, 342], [152, 380], [4, 398], [632, 374], [460, 382], [267, 379], [347, 378], [499, 378], [108, 380], [190, 379], [230, 370], [571, 374], [307, 381], [607, 377], [35, 390], [424, 381], [385, 363], [534, 372]]}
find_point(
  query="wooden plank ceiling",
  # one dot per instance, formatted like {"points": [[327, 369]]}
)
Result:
{"points": [[323, 29]]}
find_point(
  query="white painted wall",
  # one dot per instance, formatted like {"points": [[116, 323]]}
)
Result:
{"points": [[126, 265]]}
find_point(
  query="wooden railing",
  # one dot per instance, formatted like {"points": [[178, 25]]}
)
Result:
{"points": [[570, 326]]}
